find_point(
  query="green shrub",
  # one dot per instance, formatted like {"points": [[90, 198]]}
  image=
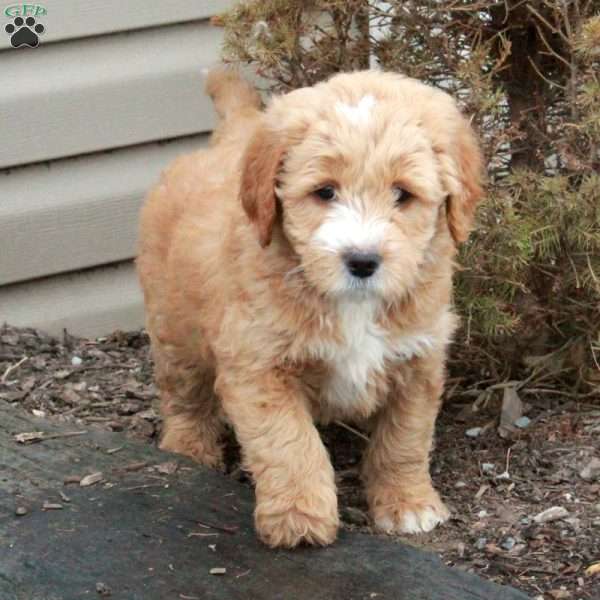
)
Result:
{"points": [[527, 72]]}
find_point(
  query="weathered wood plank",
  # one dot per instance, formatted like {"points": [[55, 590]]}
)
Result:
{"points": [[106, 92], [82, 212], [134, 535], [90, 303], [69, 19]]}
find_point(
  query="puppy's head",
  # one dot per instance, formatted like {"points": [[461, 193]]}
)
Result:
{"points": [[370, 169]]}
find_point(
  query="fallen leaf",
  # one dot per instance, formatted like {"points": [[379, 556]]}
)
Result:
{"points": [[482, 490], [512, 410], [26, 438], [551, 514], [591, 471], [91, 479], [593, 569], [71, 479]]}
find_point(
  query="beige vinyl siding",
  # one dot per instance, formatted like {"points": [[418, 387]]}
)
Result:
{"points": [[90, 118], [105, 92], [86, 303], [76, 213], [71, 19]]}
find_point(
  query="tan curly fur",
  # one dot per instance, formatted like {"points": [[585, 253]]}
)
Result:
{"points": [[255, 318]]}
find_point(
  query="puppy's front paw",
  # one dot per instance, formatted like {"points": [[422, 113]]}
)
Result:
{"points": [[311, 519], [205, 451], [395, 513]]}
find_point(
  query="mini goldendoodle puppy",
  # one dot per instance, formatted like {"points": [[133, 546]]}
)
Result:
{"points": [[299, 270]]}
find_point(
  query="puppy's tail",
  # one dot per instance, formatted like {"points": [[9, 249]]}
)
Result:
{"points": [[230, 92]]}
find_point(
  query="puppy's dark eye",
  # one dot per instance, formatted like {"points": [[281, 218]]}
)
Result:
{"points": [[401, 196], [326, 193]]}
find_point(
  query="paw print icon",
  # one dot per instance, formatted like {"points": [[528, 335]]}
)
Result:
{"points": [[24, 32]]}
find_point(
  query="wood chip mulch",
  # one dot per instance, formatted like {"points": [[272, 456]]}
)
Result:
{"points": [[500, 489]]}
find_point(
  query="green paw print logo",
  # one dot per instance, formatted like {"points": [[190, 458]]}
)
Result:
{"points": [[24, 32]]}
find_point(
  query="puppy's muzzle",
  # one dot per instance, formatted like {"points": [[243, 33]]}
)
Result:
{"points": [[362, 264]]}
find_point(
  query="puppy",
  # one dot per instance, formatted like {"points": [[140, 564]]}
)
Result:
{"points": [[299, 270]]}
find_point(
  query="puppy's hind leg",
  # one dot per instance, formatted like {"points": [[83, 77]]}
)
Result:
{"points": [[192, 423]]}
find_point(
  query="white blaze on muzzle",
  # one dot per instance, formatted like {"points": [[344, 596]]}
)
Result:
{"points": [[347, 229]]}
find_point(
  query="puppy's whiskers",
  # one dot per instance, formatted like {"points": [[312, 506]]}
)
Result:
{"points": [[299, 269]]}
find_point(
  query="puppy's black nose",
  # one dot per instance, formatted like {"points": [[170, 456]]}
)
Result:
{"points": [[362, 264]]}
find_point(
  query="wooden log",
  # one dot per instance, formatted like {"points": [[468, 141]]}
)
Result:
{"points": [[144, 532]]}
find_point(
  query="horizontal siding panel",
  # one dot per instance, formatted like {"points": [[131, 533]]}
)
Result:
{"points": [[79, 97], [68, 19], [90, 303], [76, 213]]}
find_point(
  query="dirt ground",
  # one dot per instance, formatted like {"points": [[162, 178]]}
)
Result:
{"points": [[497, 487]]}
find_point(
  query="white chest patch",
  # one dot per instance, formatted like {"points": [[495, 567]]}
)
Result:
{"points": [[363, 353], [359, 114]]}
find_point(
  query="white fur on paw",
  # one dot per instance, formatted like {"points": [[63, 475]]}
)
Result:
{"points": [[385, 524], [421, 521], [414, 521]]}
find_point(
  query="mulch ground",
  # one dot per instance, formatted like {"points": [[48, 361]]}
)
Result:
{"points": [[498, 486]]}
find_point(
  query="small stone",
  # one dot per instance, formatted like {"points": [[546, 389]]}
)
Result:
{"points": [[460, 484], [482, 514], [591, 471], [551, 514], [167, 468], [474, 432], [354, 516], [52, 506], [149, 414], [508, 543], [71, 397], [129, 407], [488, 467], [560, 594], [481, 543], [103, 589], [218, 571], [597, 508], [523, 422], [76, 361], [21, 511]]}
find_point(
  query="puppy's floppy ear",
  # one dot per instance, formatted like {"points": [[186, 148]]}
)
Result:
{"points": [[462, 170], [261, 162]]}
